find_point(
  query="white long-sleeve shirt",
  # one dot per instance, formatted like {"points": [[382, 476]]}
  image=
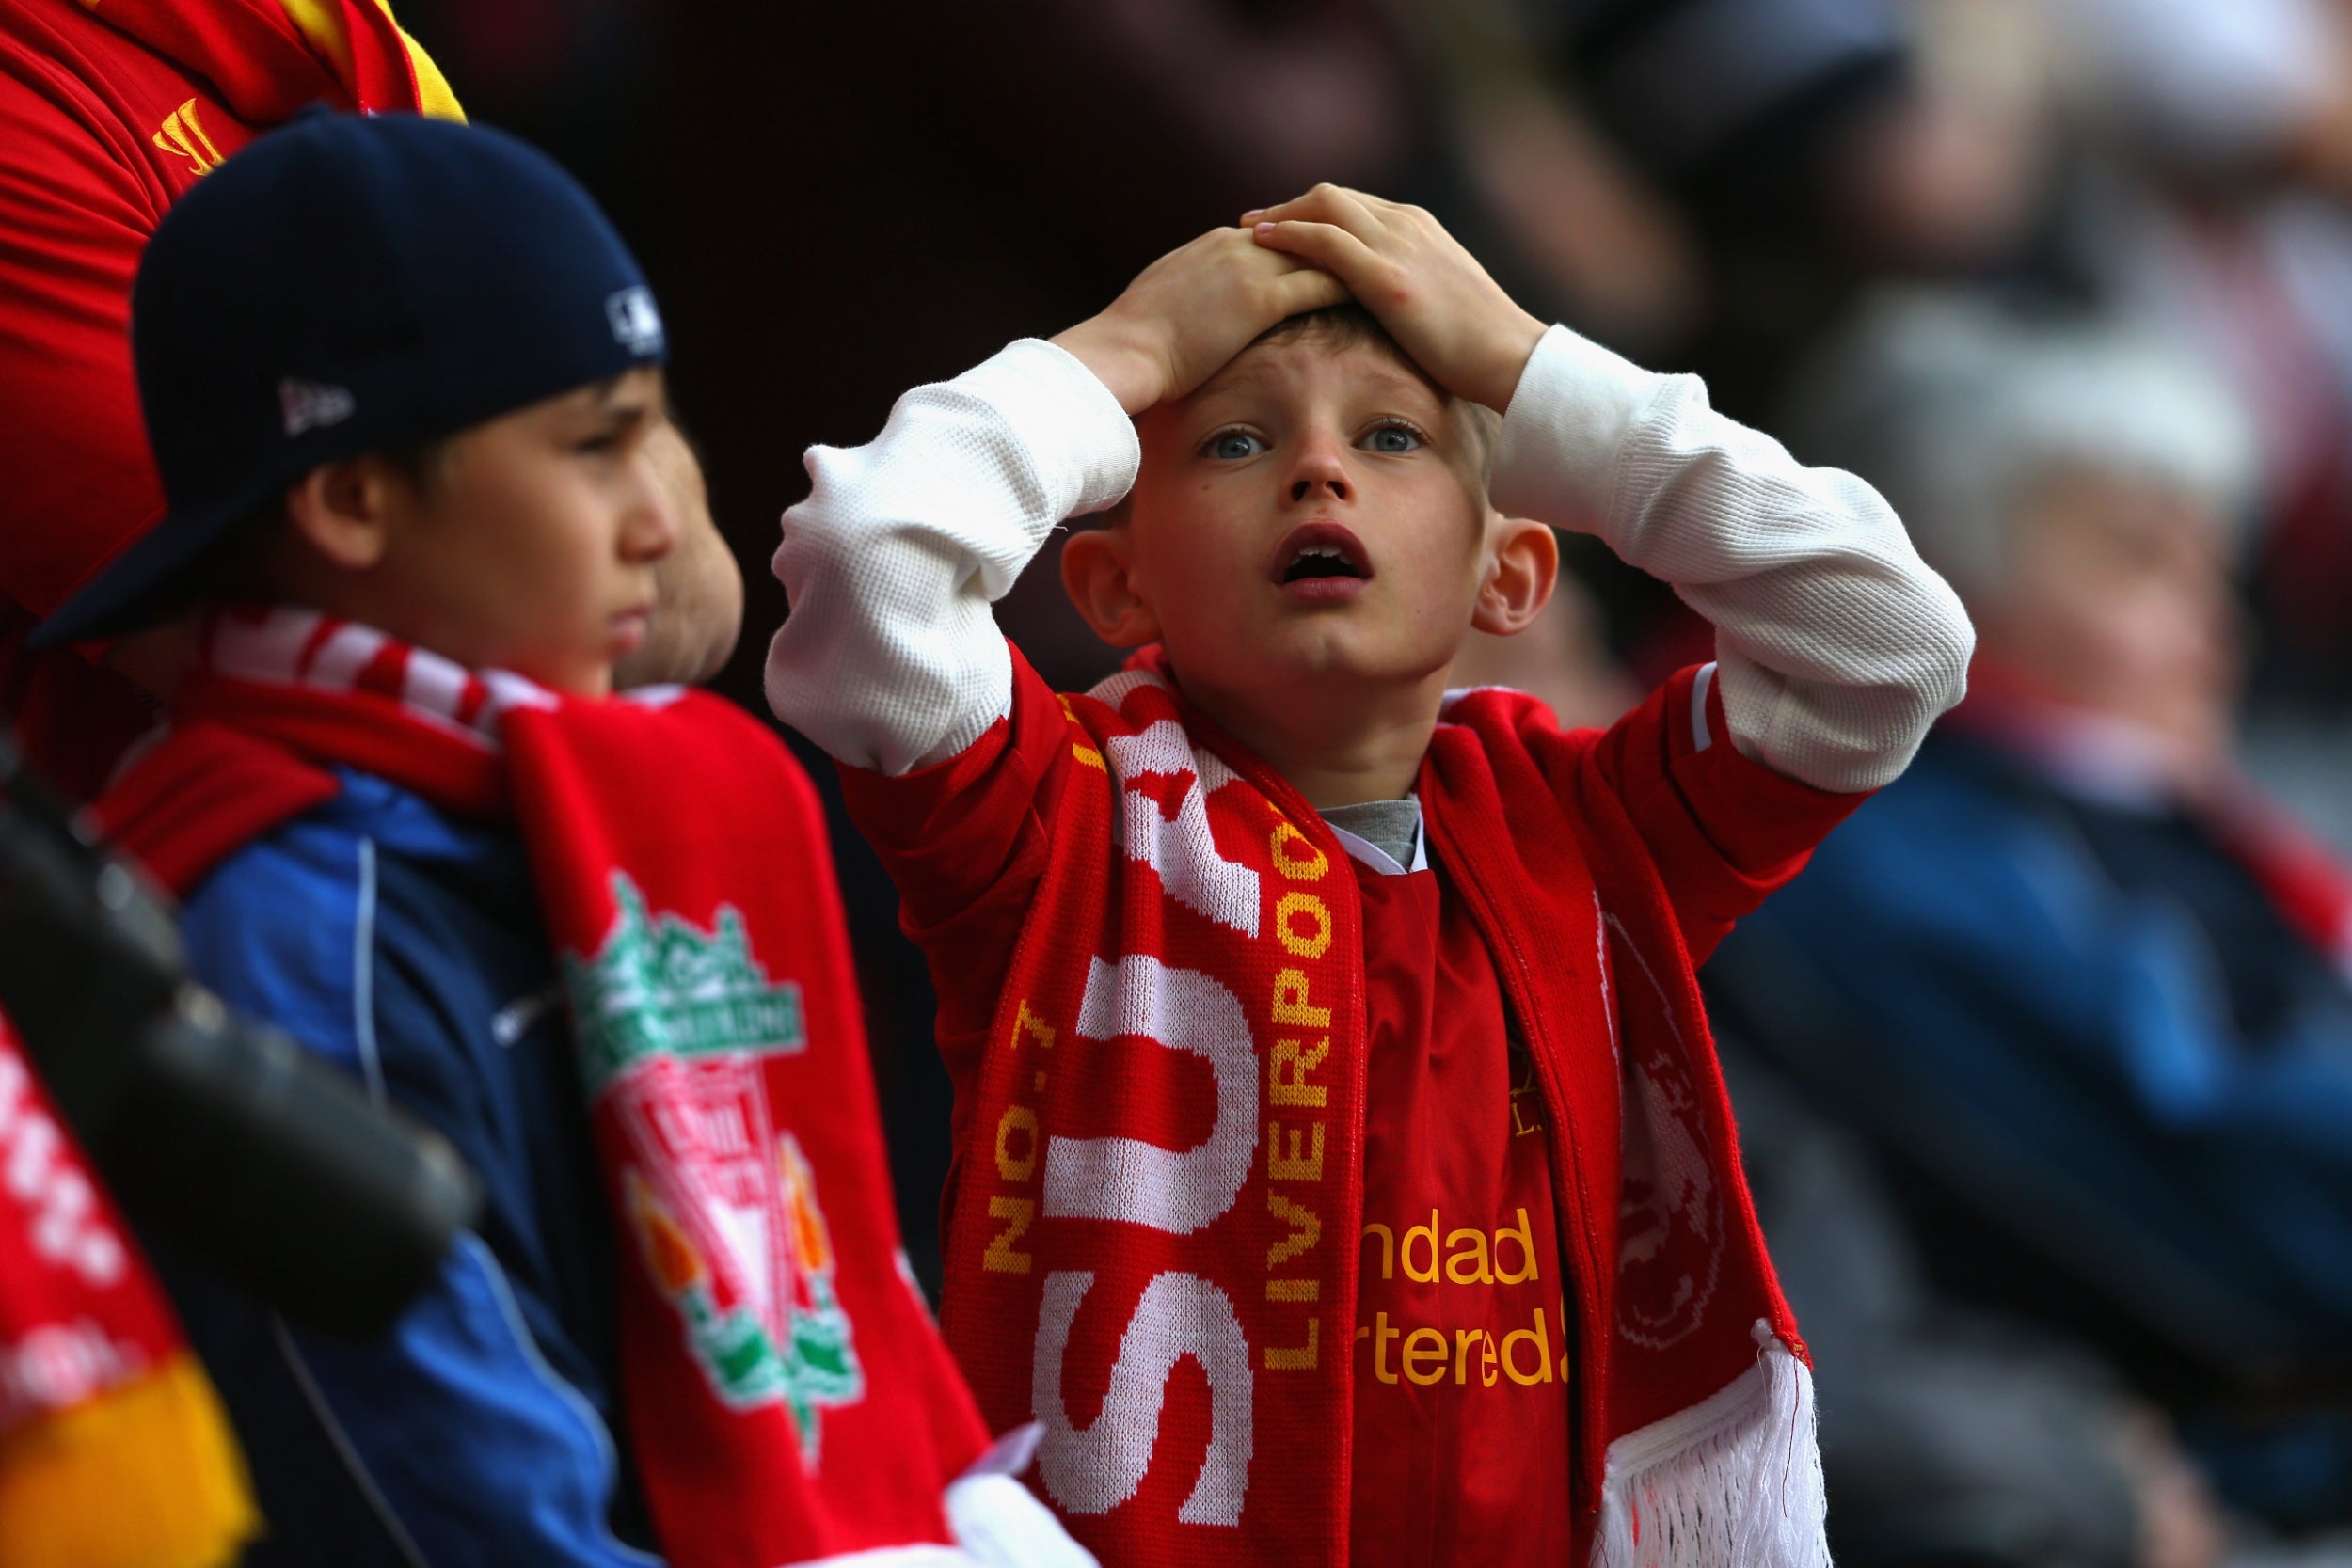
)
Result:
{"points": [[1836, 646]]}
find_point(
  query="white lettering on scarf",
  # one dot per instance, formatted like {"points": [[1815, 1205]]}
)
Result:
{"points": [[1183, 852], [1094, 1469], [1126, 1179]]}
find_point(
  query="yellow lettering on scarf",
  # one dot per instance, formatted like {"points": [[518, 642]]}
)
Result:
{"points": [[1291, 1004], [1309, 944], [1294, 1166], [1304, 929], [1016, 1154], [1306, 1230], [1293, 1061], [1299, 867], [1079, 749], [1001, 1257], [1018, 1120], [1294, 1358], [1027, 1025]]}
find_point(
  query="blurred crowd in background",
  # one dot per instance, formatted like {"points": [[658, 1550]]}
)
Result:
{"points": [[2045, 1067]]}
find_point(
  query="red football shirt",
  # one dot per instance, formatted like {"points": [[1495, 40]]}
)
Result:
{"points": [[108, 112], [1461, 1417]]}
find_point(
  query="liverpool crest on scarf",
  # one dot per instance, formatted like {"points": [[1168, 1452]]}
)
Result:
{"points": [[789, 1398], [675, 1025]]}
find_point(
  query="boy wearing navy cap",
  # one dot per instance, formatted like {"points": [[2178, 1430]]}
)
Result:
{"points": [[400, 376]]}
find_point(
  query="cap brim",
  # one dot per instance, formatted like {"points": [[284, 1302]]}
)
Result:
{"points": [[146, 582]]}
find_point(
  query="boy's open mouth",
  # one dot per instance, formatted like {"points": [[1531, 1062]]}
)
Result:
{"points": [[1321, 553]]}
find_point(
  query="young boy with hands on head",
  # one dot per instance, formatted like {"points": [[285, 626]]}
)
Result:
{"points": [[1343, 1170], [405, 388]]}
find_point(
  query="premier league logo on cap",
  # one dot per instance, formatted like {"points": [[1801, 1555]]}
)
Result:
{"points": [[636, 321]]}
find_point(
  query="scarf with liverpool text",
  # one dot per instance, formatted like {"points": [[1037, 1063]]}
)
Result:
{"points": [[1152, 1250]]}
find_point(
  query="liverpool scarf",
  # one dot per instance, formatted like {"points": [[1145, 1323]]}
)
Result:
{"points": [[113, 1452], [1153, 1246], [787, 1396]]}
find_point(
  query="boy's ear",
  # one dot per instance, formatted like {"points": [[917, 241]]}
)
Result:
{"points": [[342, 511], [1520, 580], [1096, 572]]}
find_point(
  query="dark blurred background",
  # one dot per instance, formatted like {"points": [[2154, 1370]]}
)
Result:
{"points": [[2071, 280]]}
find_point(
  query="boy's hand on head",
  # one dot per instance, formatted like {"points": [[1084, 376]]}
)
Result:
{"points": [[1193, 310], [1401, 264]]}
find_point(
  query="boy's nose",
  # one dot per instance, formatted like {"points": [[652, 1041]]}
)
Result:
{"points": [[1319, 475], [650, 531]]}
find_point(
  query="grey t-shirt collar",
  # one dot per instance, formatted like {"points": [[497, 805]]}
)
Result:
{"points": [[1384, 835]]}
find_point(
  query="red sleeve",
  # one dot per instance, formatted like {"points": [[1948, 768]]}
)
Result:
{"points": [[73, 217], [965, 842], [1722, 830]]}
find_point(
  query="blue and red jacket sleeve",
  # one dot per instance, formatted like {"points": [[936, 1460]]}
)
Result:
{"points": [[478, 1429]]}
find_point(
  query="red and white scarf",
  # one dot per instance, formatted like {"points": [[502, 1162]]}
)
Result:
{"points": [[789, 1398], [114, 1450], [1154, 1243]]}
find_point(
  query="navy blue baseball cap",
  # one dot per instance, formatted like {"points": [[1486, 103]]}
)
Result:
{"points": [[351, 284]]}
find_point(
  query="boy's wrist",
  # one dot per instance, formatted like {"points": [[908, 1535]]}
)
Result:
{"points": [[1503, 363], [1120, 360]]}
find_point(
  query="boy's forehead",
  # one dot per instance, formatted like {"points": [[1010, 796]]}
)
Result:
{"points": [[640, 386], [1313, 360]]}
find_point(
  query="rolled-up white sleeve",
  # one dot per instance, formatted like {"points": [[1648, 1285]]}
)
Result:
{"points": [[889, 658], [1836, 646]]}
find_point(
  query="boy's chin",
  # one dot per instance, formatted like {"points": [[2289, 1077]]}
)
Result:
{"points": [[1326, 656]]}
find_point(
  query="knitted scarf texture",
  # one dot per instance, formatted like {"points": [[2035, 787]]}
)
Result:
{"points": [[1152, 1246]]}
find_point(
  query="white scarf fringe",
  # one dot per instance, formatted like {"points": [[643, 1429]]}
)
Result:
{"points": [[1734, 1482]]}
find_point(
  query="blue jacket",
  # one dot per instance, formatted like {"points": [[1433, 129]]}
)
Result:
{"points": [[2099, 1041], [406, 946]]}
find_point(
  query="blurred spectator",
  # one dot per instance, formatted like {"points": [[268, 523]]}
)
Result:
{"points": [[1724, 176], [2076, 983], [2215, 212], [1812, 145], [1949, 1435]]}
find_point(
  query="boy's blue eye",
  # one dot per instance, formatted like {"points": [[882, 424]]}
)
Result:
{"points": [[1233, 445], [1390, 439]]}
